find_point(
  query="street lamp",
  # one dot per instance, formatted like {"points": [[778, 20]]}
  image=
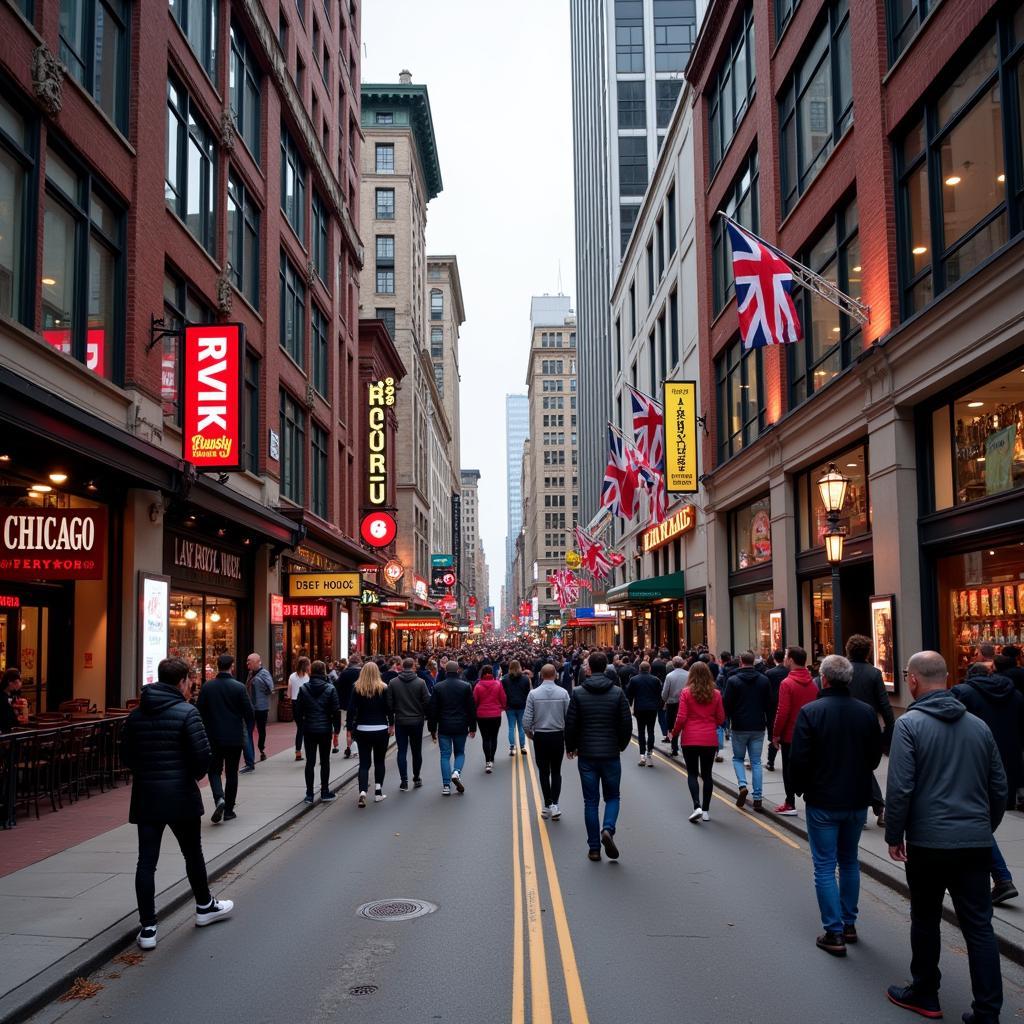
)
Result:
{"points": [[832, 488]]}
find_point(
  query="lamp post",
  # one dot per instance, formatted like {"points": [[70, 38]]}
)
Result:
{"points": [[832, 488]]}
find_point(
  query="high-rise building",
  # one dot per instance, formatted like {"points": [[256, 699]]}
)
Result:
{"points": [[471, 546], [628, 58], [517, 429]]}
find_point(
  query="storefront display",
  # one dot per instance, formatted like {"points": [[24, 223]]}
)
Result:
{"points": [[883, 638], [696, 621], [855, 516], [751, 530], [201, 628], [751, 622]]}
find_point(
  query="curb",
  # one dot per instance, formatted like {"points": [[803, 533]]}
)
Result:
{"points": [[39, 991]]}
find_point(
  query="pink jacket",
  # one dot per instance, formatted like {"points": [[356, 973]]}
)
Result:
{"points": [[797, 689], [490, 698], [699, 722]]}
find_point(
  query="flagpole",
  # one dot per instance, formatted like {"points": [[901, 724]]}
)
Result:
{"points": [[807, 278], [650, 398]]}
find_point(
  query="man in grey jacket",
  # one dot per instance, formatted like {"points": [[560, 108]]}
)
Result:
{"points": [[410, 699], [544, 722], [675, 683], [945, 796], [261, 685]]}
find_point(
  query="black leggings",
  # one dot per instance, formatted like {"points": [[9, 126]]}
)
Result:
{"points": [[700, 760], [187, 832], [489, 735], [318, 743], [645, 721], [372, 746], [548, 748]]}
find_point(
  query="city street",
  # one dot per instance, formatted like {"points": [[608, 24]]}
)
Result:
{"points": [[708, 923]]}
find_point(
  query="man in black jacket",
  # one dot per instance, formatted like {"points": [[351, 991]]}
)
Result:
{"points": [[451, 716], [165, 746], [644, 692], [837, 745], [344, 685], [598, 728], [410, 699], [869, 687], [775, 675], [224, 705], [747, 700], [659, 669]]}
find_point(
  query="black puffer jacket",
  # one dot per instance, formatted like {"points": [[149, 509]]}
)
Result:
{"points": [[452, 710], [748, 700], [644, 692], [317, 710], [516, 690], [598, 723], [165, 745]]}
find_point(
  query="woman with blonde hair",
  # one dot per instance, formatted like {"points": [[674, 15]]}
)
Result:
{"points": [[372, 719], [700, 714]]}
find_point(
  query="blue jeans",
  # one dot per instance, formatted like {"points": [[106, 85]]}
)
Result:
{"points": [[515, 718], [1000, 872], [834, 838], [742, 744], [720, 733], [247, 748], [448, 744], [600, 774]]}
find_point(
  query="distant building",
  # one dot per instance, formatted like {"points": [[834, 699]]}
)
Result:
{"points": [[471, 562], [517, 429]]}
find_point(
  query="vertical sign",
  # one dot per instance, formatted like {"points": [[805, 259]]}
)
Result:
{"points": [[212, 396], [680, 402], [154, 609], [457, 533], [381, 398]]}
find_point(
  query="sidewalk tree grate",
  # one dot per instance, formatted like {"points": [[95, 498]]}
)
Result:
{"points": [[362, 990], [395, 910]]}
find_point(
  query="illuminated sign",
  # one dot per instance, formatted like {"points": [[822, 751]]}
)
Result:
{"points": [[276, 609], [306, 611], [370, 597], [394, 571], [381, 397], [680, 522], [419, 587], [324, 584], [378, 529], [9, 601], [442, 561], [211, 434], [680, 436], [53, 543], [95, 347], [418, 622]]}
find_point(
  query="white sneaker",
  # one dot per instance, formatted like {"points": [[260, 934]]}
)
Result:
{"points": [[379, 796], [457, 781], [147, 937], [555, 812], [650, 759], [546, 812], [643, 760], [489, 767], [214, 912], [705, 816], [446, 791], [695, 817]]}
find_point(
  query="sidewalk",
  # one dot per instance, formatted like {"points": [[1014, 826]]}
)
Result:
{"points": [[64, 915]]}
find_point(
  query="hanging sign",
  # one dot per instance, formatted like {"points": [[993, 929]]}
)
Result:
{"points": [[211, 396], [680, 522], [393, 571], [378, 529], [324, 584], [381, 398], [680, 397], [53, 543]]}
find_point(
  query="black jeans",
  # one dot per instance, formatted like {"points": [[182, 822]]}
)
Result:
{"points": [[409, 737], [372, 746], [318, 743], [700, 761], [965, 873], [645, 723], [772, 750], [187, 832], [787, 782], [489, 736], [548, 750], [261, 730], [877, 800], [298, 738], [225, 759], [671, 710]]}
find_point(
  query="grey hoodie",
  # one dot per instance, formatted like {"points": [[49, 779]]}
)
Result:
{"points": [[546, 707], [946, 787]]}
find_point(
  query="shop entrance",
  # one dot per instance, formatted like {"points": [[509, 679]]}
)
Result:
{"points": [[856, 584], [37, 636]]}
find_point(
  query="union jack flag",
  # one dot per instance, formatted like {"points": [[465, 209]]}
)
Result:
{"points": [[657, 499], [648, 428], [596, 560], [618, 492], [764, 285], [566, 586]]}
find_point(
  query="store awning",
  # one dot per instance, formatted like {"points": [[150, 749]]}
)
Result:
{"points": [[657, 588]]}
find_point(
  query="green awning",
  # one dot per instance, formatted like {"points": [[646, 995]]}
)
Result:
{"points": [[654, 589]]}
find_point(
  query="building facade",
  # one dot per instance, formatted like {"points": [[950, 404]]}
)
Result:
{"points": [[517, 429], [880, 151], [469, 583]]}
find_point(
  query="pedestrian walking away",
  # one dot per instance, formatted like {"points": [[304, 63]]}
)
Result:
{"points": [[318, 716], [451, 717], [701, 714], [869, 686], [226, 711], [836, 747], [166, 747], [410, 695], [261, 684], [345, 684], [517, 686], [946, 794], [797, 689], [775, 673], [491, 700], [644, 693], [747, 701], [296, 681], [544, 721], [598, 727], [371, 720], [675, 683]]}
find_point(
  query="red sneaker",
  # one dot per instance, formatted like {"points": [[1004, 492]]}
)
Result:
{"points": [[786, 810]]}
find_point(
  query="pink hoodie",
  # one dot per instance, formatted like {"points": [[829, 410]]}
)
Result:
{"points": [[490, 698]]}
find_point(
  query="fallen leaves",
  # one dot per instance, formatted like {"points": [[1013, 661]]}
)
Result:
{"points": [[129, 959], [82, 988]]}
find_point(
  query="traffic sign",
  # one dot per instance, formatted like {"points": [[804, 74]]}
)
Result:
{"points": [[378, 529]]}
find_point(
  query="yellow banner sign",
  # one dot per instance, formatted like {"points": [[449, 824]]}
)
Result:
{"points": [[681, 436], [324, 584]]}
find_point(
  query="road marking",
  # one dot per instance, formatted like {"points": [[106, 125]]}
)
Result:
{"points": [[752, 817], [573, 987], [518, 977]]}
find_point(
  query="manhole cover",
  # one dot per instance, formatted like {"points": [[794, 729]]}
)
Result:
{"points": [[362, 990], [395, 910]]}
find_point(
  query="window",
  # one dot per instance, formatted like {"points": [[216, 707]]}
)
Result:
{"points": [[812, 520], [386, 264], [959, 196], [741, 410], [182, 305], [632, 104], [319, 334], [198, 20], [659, 238], [243, 240], [783, 12], [671, 218], [741, 204], [629, 36], [385, 204], [675, 28], [94, 49], [385, 153], [384, 117], [300, 6], [388, 316], [83, 269], [827, 345], [665, 94], [251, 414], [436, 304], [627, 218], [191, 166], [632, 165], [816, 106], [439, 377], [293, 312], [650, 269], [318, 472], [733, 90], [244, 92], [293, 448], [293, 185], [17, 203], [905, 17], [319, 240], [436, 343], [673, 305], [750, 535]]}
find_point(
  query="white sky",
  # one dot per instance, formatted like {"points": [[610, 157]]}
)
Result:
{"points": [[500, 95]]}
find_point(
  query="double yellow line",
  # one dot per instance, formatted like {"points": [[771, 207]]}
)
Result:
{"points": [[526, 897]]}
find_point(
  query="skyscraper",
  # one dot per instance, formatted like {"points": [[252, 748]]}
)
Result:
{"points": [[517, 430]]}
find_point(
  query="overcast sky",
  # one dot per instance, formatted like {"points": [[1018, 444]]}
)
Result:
{"points": [[500, 95]]}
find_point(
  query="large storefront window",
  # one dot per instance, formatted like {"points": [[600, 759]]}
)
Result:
{"points": [[696, 621], [856, 513], [751, 629], [202, 628], [751, 535]]}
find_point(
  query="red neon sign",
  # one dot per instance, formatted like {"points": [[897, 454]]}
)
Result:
{"points": [[306, 611], [9, 601], [211, 396]]}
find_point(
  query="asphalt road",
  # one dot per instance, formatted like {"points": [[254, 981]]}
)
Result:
{"points": [[707, 923]]}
